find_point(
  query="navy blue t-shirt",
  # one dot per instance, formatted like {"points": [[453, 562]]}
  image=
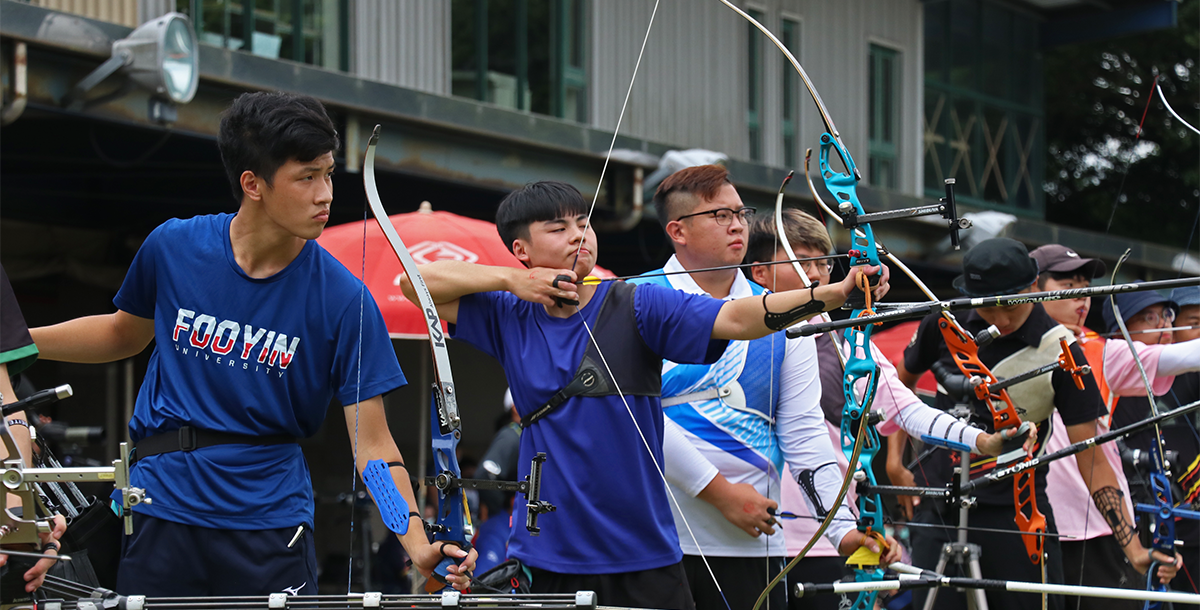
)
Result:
{"points": [[246, 356], [613, 513]]}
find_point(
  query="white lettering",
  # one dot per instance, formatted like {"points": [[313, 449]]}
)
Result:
{"points": [[251, 339], [266, 350], [282, 352], [181, 324], [226, 326], [206, 323]]}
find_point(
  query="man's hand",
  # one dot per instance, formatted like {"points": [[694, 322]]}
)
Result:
{"points": [[37, 574], [744, 507], [850, 284], [537, 285], [899, 475], [427, 558], [855, 539], [993, 444], [1167, 566]]}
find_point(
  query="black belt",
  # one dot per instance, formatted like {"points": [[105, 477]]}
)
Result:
{"points": [[188, 438]]}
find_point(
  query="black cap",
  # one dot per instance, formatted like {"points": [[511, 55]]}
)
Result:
{"points": [[996, 266]]}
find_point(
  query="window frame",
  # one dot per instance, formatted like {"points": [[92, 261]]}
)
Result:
{"points": [[791, 94], [755, 101], [884, 147]]}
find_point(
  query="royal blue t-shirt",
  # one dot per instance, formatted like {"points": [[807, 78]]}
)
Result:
{"points": [[246, 356], [613, 513]]}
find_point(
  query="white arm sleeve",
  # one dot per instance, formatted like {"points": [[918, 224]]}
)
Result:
{"points": [[685, 468], [919, 418], [804, 439], [902, 407], [1180, 358]]}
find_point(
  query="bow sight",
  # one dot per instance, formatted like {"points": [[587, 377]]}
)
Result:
{"points": [[945, 207], [531, 487]]}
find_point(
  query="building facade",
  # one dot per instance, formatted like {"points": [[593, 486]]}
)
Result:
{"points": [[477, 97]]}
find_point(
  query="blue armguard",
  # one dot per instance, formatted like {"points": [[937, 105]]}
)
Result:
{"points": [[392, 507]]}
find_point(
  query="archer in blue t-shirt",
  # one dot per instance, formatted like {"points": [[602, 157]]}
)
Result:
{"points": [[257, 329], [584, 365]]}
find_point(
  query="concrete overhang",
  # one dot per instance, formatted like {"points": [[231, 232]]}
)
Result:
{"points": [[455, 139]]}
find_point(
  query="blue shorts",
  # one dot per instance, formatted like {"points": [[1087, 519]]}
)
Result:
{"points": [[167, 559]]}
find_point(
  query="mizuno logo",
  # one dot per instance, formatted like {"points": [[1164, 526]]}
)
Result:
{"points": [[294, 590]]}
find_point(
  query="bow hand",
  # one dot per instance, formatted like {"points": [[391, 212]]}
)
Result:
{"points": [[1002, 442], [877, 275], [854, 539], [1168, 566], [458, 563], [50, 546]]}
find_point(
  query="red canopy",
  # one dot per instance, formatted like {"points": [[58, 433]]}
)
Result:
{"points": [[892, 343], [430, 236]]}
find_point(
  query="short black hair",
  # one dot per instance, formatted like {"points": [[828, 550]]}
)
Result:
{"points": [[262, 131], [536, 202]]}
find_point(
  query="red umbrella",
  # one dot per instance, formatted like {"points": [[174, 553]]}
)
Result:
{"points": [[430, 236]]}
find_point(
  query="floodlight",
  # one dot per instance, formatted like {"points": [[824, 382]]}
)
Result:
{"points": [[160, 55]]}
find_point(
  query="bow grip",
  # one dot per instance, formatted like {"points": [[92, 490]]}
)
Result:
{"points": [[437, 579], [857, 299], [1012, 449]]}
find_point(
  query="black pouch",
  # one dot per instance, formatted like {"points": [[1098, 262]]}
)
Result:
{"points": [[12, 579], [99, 531], [509, 577]]}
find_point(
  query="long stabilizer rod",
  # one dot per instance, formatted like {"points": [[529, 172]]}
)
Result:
{"points": [[1005, 300]]}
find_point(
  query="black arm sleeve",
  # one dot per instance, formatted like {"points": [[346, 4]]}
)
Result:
{"points": [[1077, 406]]}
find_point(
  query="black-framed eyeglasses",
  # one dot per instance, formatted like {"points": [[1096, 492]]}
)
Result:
{"points": [[724, 216]]}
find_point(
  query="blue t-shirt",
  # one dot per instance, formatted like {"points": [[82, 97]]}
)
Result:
{"points": [[613, 513], [246, 356], [491, 542]]}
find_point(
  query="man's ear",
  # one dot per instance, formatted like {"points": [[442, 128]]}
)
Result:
{"points": [[676, 233], [252, 186], [760, 274], [521, 251]]}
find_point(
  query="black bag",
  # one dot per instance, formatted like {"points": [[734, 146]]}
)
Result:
{"points": [[507, 577], [99, 531]]}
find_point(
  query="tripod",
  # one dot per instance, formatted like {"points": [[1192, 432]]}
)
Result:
{"points": [[963, 554]]}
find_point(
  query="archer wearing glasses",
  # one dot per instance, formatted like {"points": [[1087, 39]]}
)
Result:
{"points": [[762, 397], [1154, 317], [724, 216]]}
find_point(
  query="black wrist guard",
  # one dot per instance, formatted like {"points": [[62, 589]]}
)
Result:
{"points": [[780, 321]]}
